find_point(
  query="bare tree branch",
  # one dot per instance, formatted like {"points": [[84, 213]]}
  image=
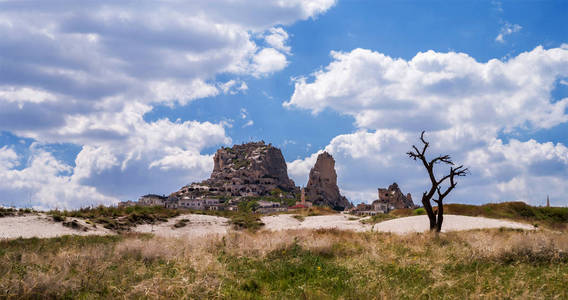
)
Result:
{"points": [[416, 154]]}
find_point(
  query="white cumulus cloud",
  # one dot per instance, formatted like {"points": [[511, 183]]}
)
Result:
{"points": [[86, 73], [464, 105]]}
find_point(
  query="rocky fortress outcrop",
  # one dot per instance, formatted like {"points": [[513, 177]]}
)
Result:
{"points": [[257, 169], [252, 169]]}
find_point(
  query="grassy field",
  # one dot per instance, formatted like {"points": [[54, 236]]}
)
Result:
{"points": [[306, 264]]}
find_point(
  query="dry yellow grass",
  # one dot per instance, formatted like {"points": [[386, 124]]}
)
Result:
{"points": [[290, 264]]}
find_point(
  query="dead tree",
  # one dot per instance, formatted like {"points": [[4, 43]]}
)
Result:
{"points": [[436, 219]]}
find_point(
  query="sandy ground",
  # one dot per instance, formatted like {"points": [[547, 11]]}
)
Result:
{"points": [[399, 226], [42, 226], [198, 225], [339, 221], [451, 223], [202, 225]]}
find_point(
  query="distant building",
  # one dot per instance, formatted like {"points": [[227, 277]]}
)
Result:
{"points": [[547, 201], [152, 200], [268, 206], [198, 203], [172, 202], [365, 209], [389, 199], [127, 203], [392, 198], [302, 203]]}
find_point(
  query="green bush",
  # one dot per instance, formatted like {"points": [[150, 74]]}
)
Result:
{"points": [[58, 218], [246, 221], [419, 211], [377, 219]]}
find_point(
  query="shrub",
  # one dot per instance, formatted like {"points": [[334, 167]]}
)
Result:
{"points": [[419, 211], [246, 221], [58, 218], [181, 223], [377, 219], [299, 218]]}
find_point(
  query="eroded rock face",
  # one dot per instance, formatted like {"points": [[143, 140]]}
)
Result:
{"points": [[252, 169], [322, 184], [393, 198]]}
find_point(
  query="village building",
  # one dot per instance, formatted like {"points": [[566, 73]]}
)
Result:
{"points": [[389, 199], [127, 203], [269, 206], [392, 198], [364, 209], [152, 200], [232, 208], [171, 202], [198, 203]]}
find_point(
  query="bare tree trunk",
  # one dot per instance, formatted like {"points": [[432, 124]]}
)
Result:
{"points": [[436, 218], [430, 211], [440, 217]]}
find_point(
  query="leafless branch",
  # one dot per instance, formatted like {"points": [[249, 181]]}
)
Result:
{"points": [[417, 154]]}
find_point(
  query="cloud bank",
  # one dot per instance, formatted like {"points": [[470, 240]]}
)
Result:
{"points": [[465, 106], [86, 72]]}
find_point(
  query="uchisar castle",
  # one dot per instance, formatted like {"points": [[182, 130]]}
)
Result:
{"points": [[256, 171]]}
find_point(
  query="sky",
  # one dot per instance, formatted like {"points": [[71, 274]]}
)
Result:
{"points": [[105, 101]]}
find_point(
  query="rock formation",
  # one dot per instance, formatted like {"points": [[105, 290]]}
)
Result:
{"points": [[322, 184], [252, 169], [393, 198]]}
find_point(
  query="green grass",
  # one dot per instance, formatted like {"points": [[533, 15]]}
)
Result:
{"points": [[512, 210], [8, 212], [287, 273], [315, 211], [556, 217], [377, 219]]}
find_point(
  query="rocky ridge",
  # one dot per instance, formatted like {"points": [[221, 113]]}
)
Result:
{"points": [[393, 198]]}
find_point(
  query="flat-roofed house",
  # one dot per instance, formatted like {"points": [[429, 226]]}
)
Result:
{"points": [[152, 200]]}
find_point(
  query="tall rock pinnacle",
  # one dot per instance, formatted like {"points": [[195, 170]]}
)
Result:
{"points": [[322, 184]]}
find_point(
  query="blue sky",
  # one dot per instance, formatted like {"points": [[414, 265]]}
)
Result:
{"points": [[106, 101]]}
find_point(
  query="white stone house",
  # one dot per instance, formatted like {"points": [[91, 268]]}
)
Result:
{"points": [[268, 206], [152, 200], [197, 203]]}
